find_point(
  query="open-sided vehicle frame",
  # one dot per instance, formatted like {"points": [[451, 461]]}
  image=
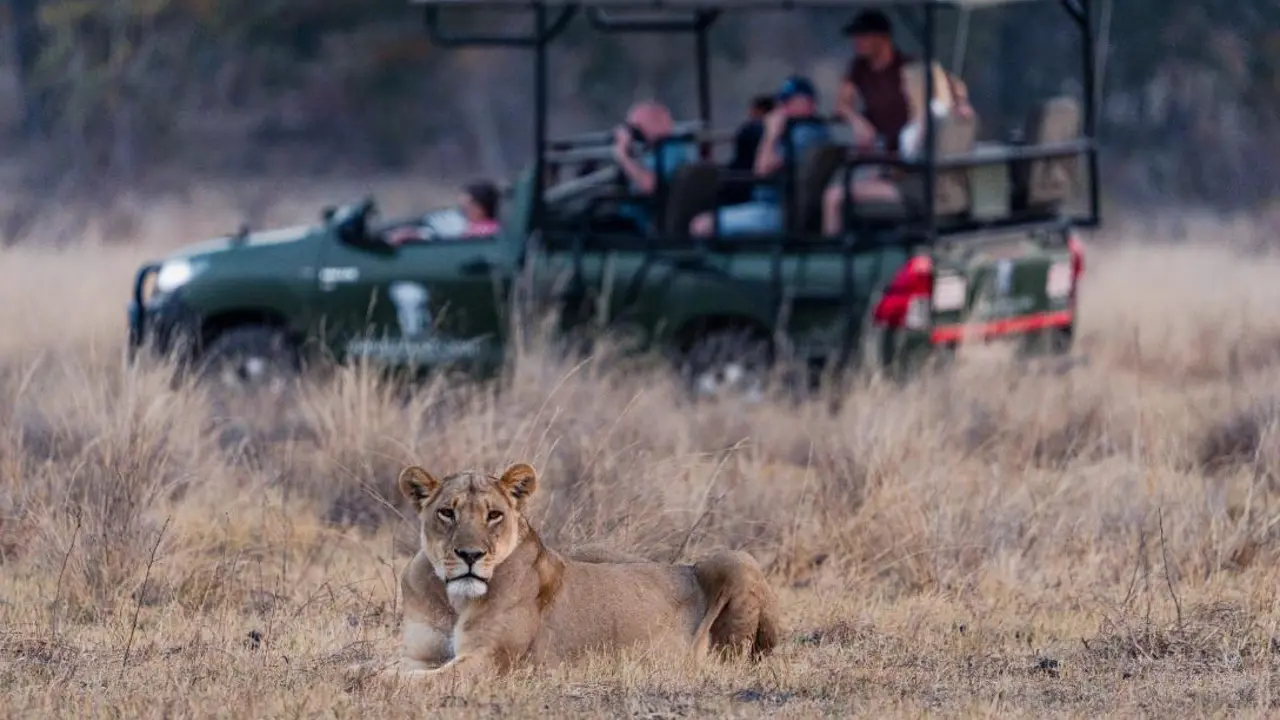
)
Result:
{"points": [[878, 286]]}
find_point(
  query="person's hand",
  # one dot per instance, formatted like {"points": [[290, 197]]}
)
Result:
{"points": [[621, 143], [399, 236], [775, 122], [864, 137]]}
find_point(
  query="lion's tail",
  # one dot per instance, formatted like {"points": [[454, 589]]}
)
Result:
{"points": [[702, 638], [743, 611], [768, 630]]}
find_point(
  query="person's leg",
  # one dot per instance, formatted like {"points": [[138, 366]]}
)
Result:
{"points": [[866, 190], [746, 219]]}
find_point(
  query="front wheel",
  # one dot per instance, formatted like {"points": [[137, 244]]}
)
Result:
{"points": [[251, 359]]}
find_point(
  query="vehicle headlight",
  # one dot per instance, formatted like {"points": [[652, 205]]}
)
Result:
{"points": [[175, 273]]}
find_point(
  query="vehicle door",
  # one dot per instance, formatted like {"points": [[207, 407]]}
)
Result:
{"points": [[423, 304]]}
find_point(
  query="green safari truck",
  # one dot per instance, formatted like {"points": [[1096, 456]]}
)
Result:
{"points": [[987, 253]]}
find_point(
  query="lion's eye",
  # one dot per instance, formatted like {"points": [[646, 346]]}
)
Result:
{"points": [[494, 516], [445, 514]]}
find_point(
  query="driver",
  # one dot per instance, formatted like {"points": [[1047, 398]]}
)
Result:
{"points": [[649, 122], [479, 205]]}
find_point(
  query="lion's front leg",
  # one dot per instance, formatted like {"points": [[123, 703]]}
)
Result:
{"points": [[459, 673], [425, 645]]}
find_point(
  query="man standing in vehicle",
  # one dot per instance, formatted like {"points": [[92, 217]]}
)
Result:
{"points": [[649, 122], [797, 101], [874, 76]]}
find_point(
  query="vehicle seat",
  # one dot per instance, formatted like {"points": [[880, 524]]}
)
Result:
{"points": [[1044, 185], [817, 170], [694, 189], [957, 136]]}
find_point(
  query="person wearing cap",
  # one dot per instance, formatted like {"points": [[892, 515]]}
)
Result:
{"points": [[651, 123], [874, 76], [797, 99], [898, 188]]}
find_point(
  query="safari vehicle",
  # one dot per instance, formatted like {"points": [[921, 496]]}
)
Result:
{"points": [[991, 255]]}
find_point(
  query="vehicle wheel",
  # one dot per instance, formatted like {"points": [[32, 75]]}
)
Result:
{"points": [[728, 364], [250, 359], [1049, 343]]}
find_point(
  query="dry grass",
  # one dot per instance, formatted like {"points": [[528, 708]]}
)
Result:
{"points": [[989, 541]]}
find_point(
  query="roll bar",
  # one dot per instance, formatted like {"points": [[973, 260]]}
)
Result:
{"points": [[552, 17]]}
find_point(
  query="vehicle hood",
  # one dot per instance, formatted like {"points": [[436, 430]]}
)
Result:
{"points": [[230, 243]]}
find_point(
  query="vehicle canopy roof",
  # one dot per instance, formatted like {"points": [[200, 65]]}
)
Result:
{"points": [[711, 4]]}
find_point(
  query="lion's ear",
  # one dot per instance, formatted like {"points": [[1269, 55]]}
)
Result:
{"points": [[519, 481], [417, 485]]}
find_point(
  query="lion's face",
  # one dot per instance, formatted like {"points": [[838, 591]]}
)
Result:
{"points": [[470, 522]]}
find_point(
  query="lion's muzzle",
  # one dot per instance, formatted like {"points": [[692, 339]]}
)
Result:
{"points": [[467, 579]]}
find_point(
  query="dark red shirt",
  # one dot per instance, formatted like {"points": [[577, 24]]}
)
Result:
{"points": [[885, 104]]}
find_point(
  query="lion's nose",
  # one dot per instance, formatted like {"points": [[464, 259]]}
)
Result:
{"points": [[470, 557]]}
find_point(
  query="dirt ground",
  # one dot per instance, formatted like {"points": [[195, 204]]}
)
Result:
{"points": [[986, 541]]}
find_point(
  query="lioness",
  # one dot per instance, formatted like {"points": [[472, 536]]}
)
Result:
{"points": [[484, 591]]}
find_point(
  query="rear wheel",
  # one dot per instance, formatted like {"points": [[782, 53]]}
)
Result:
{"points": [[728, 364], [1049, 342], [251, 359]]}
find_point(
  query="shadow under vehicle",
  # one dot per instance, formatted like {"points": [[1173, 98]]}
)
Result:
{"points": [[988, 254]]}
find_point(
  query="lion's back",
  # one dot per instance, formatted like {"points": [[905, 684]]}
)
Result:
{"points": [[617, 604]]}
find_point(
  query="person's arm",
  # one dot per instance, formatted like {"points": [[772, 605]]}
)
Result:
{"points": [[640, 176], [768, 158], [864, 133], [960, 95]]}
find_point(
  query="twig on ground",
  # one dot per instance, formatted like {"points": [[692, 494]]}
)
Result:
{"points": [[1164, 552], [137, 606], [57, 589]]}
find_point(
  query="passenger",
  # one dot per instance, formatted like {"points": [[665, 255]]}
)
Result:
{"points": [[651, 122], [747, 139], [797, 100], [910, 142], [745, 144]]}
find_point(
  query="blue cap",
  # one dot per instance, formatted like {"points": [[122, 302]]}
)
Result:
{"points": [[796, 85]]}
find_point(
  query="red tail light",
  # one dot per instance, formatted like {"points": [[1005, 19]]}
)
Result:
{"points": [[1077, 262], [905, 302], [1077, 256]]}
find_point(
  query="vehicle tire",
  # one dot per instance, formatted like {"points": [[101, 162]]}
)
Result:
{"points": [[250, 359], [1053, 342], [728, 364]]}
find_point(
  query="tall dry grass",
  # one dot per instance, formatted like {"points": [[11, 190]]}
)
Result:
{"points": [[988, 540]]}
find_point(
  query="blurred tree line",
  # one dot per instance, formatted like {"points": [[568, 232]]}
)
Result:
{"points": [[114, 88]]}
